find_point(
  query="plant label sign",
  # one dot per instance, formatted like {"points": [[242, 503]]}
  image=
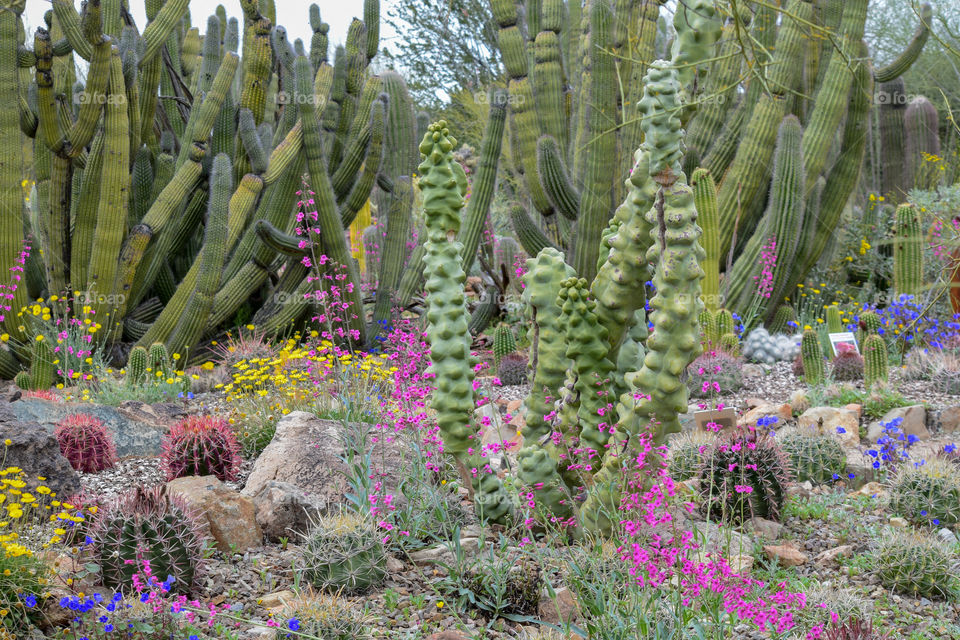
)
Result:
{"points": [[725, 418], [843, 342]]}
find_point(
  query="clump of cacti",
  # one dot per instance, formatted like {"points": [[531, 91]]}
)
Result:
{"points": [[812, 355], [85, 442], [875, 360], [814, 457], [714, 373], [503, 343], [847, 365], [687, 454], [148, 524], [512, 370], [916, 565], [762, 346], [730, 344], [201, 446], [325, 616], [344, 552], [744, 476], [927, 493]]}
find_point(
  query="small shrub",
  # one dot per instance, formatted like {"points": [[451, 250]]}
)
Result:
{"points": [[201, 446], [916, 565], [344, 552], [513, 369], [85, 442], [927, 492], [744, 476], [714, 372]]}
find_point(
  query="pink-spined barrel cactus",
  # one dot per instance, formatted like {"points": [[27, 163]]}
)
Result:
{"points": [[86, 443], [201, 446]]}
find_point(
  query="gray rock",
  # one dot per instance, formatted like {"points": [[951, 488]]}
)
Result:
{"points": [[137, 428], [946, 420], [284, 510], [764, 529], [914, 423], [35, 450]]}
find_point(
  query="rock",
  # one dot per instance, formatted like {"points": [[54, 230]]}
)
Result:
{"points": [[308, 452], [764, 529], [497, 439], [799, 400], [34, 449], [277, 599], [782, 412], [562, 608], [231, 517], [947, 536], [946, 420], [800, 489], [442, 553], [284, 510], [137, 428], [914, 423], [829, 557], [447, 635], [722, 538], [899, 523], [873, 489], [856, 408], [751, 370], [394, 565], [514, 406], [785, 554], [833, 418]]}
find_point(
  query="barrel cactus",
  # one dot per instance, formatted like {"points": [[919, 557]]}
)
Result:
{"points": [[916, 565], [847, 366], [512, 370], [151, 525], [687, 454], [503, 343], [817, 458], [201, 446], [344, 552], [85, 442], [812, 355], [875, 360], [927, 493]]}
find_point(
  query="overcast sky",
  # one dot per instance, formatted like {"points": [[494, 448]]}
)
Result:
{"points": [[292, 14]]}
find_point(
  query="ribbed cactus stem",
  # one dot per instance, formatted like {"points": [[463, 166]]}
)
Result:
{"points": [[907, 251], [875, 361], [834, 323], [705, 199], [812, 355]]}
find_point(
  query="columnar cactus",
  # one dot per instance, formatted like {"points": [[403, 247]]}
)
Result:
{"points": [[907, 252], [875, 360], [42, 369], [503, 343], [812, 355], [137, 364], [922, 147], [834, 323], [784, 315]]}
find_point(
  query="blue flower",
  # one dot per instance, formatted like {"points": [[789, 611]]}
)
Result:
{"points": [[841, 430], [876, 465], [923, 512], [293, 624], [87, 540], [950, 448], [836, 476], [912, 438], [936, 521], [103, 619], [851, 475], [30, 601], [117, 597], [108, 628]]}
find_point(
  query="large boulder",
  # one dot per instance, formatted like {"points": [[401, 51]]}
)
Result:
{"points": [[137, 428], [34, 449], [230, 517], [306, 458], [843, 424], [914, 423]]}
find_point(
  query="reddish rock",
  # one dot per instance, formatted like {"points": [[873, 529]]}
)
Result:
{"points": [[786, 554], [230, 517]]}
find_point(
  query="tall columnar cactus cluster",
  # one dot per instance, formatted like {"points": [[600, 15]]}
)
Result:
{"points": [[166, 184]]}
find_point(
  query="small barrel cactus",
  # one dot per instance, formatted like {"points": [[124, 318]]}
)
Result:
{"points": [[344, 552], [730, 344], [513, 369], [137, 366], [916, 565], [875, 363], [714, 372], [848, 365], [812, 355], [326, 616], [744, 475], [817, 458], [201, 446], [927, 493], [784, 319], [85, 442], [159, 361], [503, 343], [42, 369], [686, 454], [151, 525], [724, 323]]}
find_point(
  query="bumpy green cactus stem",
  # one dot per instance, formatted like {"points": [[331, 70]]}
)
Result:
{"points": [[443, 185], [907, 252], [812, 356]]}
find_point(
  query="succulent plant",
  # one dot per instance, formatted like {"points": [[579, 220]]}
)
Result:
{"points": [[344, 552], [730, 343], [85, 442], [847, 365], [503, 344], [513, 369], [875, 364], [744, 476], [327, 617], [812, 355], [853, 629], [928, 492], [782, 319], [685, 455], [148, 524], [518, 591], [916, 565], [201, 446], [761, 346], [714, 372], [136, 371], [813, 457]]}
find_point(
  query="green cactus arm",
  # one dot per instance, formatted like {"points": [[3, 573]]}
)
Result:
{"points": [[257, 57], [619, 285], [251, 142], [85, 217], [922, 124], [344, 177], [212, 256], [705, 199], [393, 251], [528, 233], [909, 55], [318, 42], [328, 219], [280, 241], [70, 23], [360, 193], [371, 18], [698, 28], [478, 208], [556, 181], [158, 30], [548, 86], [412, 280]]}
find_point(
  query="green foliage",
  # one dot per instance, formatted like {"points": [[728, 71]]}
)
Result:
{"points": [[344, 552], [714, 373]]}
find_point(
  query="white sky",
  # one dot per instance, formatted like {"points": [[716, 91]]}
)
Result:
{"points": [[292, 14]]}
